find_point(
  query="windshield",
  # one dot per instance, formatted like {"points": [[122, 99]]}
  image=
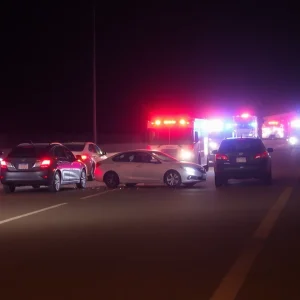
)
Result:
{"points": [[29, 151], [164, 157], [241, 145], [75, 147], [166, 136]]}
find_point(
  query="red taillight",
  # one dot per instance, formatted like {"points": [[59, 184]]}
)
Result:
{"points": [[45, 163], [221, 157], [262, 155], [84, 157], [3, 164]]}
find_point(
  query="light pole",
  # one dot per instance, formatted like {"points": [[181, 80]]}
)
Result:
{"points": [[94, 77]]}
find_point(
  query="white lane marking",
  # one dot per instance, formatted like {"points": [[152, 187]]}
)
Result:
{"points": [[31, 213], [236, 276], [98, 194]]}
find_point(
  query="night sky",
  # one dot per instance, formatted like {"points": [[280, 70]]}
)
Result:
{"points": [[194, 57]]}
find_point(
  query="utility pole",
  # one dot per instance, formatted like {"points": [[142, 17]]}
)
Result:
{"points": [[94, 77]]}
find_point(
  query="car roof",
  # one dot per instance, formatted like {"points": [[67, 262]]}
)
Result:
{"points": [[39, 144]]}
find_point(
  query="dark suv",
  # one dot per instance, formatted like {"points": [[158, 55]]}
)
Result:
{"points": [[242, 158], [33, 164]]}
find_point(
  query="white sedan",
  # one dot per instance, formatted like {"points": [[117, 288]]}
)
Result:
{"points": [[146, 166]]}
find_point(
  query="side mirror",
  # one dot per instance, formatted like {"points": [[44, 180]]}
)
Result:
{"points": [[78, 157], [214, 152], [270, 150], [206, 167], [104, 153]]}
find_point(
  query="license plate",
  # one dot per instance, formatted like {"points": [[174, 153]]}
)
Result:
{"points": [[23, 166], [241, 159]]}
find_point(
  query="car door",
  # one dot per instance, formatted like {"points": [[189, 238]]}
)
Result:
{"points": [[124, 165], [93, 153], [63, 164], [147, 168], [75, 166]]}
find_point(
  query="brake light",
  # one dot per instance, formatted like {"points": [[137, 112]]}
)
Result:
{"points": [[84, 157], [3, 164], [222, 157], [262, 155], [45, 163]]}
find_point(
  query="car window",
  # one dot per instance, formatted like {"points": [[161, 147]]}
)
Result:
{"points": [[92, 148], [29, 151], [75, 147], [142, 157], [164, 157], [98, 150], [59, 152], [242, 145], [69, 154], [124, 157]]}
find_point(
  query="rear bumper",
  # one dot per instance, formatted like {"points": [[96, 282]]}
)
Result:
{"points": [[26, 178], [243, 174]]}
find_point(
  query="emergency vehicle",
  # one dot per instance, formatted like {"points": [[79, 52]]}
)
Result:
{"points": [[273, 130], [218, 130], [245, 125], [294, 133], [182, 137]]}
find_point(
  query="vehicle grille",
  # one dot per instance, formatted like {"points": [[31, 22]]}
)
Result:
{"points": [[171, 152]]}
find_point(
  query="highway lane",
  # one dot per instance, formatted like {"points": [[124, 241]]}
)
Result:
{"points": [[152, 242]]}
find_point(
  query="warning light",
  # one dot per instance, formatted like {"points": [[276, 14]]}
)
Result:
{"points": [[273, 123], [182, 122], [169, 122], [245, 116], [157, 122]]}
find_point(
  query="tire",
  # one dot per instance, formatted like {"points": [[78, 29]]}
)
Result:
{"points": [[219, 181], [55, 185], [91, 177], [172, 178], [35, 186], [8, 188], [111, 179], [190, 184], [82, 182], [268, 180], [130, 184]]}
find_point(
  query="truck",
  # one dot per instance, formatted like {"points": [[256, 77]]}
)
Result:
{"points": [[245, 125], [182, 137], [273, 129]]}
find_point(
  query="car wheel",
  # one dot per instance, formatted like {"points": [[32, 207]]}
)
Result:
{"points": [[172, 178], [130, 184], [36, 186], [219, 181], [190, 184], [56, 183], [111, 179], [268, 179], [91, 177], [82, 182], [9, 188]]}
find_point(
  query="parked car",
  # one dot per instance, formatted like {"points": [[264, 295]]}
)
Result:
{"points": [[242, 158], [146, 166], [90, 153], [42, 164]]}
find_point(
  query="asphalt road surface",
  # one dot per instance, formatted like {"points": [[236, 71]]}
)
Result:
{"points": [[238, 242]]}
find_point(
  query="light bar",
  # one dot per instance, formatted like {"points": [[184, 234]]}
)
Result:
{"points": [[169, 122], [245, 116], [273, 123]]}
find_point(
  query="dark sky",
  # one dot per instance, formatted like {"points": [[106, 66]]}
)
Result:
{"points": [[194, 57]]}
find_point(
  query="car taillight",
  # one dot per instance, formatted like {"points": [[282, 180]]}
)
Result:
{"points": [[221, 157], [262, 155], [84, 157], [6, 164], [45, 163]]}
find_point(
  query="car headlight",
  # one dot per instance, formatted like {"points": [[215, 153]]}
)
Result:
{"points": [[293, 140], [186, 154], [213, 145], [190, 170]]}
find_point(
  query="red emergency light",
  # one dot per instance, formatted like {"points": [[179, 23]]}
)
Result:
{"points": [[158, 122], [167, 122], [273, 123]]}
